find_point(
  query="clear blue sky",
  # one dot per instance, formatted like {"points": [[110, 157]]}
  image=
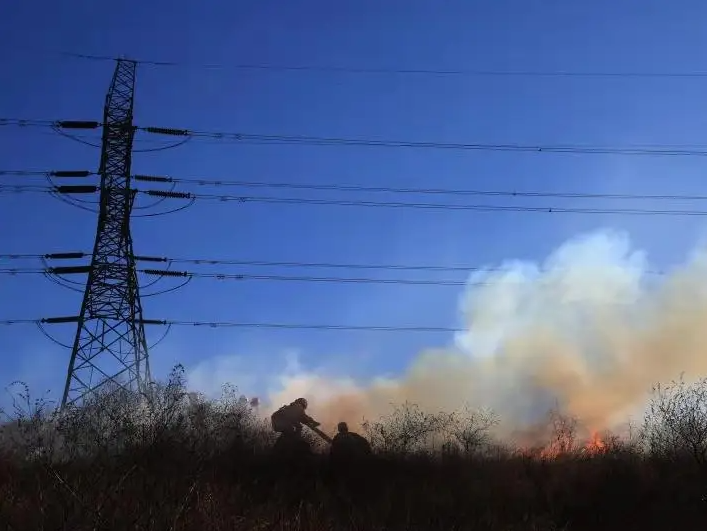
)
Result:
{"points": [[413, 34]]}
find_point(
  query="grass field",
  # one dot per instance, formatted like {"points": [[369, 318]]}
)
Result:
{"points": [[123, 462]]}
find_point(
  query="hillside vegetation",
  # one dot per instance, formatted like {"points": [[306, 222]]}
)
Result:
{"points": [[171, 460]]}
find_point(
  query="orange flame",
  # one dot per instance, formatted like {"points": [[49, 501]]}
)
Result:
{"points": [[595, 444]]}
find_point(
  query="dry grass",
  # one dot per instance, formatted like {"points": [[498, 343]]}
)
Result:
{"points": [[205, 465]]}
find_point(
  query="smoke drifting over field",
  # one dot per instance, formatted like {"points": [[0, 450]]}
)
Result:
{"points": [[591, 330]]}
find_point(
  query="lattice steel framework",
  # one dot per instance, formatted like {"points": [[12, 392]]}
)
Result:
{"points": [[110, 344]]}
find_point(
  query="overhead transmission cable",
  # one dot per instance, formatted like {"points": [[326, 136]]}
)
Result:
{"points": [[395, 71], [188, 275], [289, 264], [349, 188], [269, 277], [654, 150], [645, 150], [549, 209], [271, 325]]}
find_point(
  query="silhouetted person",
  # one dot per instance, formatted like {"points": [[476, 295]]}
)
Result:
{"points": [[287, 421], [289, 418], [349, 454], [348, 445]]}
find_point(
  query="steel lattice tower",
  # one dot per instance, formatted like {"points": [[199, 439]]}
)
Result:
{"points": [[110, 344]]}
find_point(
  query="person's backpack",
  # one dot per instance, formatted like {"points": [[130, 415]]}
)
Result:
{"points": [[279, 420]]}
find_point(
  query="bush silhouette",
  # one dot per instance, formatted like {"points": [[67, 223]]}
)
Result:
{"points": [[170, 459]]}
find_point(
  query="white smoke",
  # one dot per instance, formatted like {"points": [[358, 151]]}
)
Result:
{"points": [[590, 329]]}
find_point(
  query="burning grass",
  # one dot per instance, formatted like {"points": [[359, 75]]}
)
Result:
{"points": [[187, 463]]}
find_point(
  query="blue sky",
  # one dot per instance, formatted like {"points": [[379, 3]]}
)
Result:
{"points": [[501, 35]]}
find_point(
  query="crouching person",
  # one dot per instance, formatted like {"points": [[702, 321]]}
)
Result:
{"points": [[349, 456], [287, 421], [348, 447], [289, 418]]}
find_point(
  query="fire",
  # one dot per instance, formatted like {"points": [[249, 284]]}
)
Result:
{"points": [[549, 452], [595, 444]]}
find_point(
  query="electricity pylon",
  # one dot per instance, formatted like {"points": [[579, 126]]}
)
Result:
{"points": [[110, 344]]}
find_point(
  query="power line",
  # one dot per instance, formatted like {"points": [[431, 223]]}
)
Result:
{"points": [[430, 191], [351, 188], [272, 325], [271, 277], [655, 150], [339, 265], [394, 71], [24, 188], [296, 264], [27, 122], [510, 147], [27, 173], [377, 204], [442, 206], [281, 278], [16, 256]]}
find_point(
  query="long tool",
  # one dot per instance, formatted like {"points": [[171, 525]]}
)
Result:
{"points": [[321, 434]]}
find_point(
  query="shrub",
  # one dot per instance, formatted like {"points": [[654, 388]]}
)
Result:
{"points": [[170, 459], [676, 424]]}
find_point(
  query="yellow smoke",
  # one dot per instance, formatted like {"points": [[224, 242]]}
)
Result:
{"points": [[591, 330]]}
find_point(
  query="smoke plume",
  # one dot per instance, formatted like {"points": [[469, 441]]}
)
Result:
{"points": [[590, 330]]}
